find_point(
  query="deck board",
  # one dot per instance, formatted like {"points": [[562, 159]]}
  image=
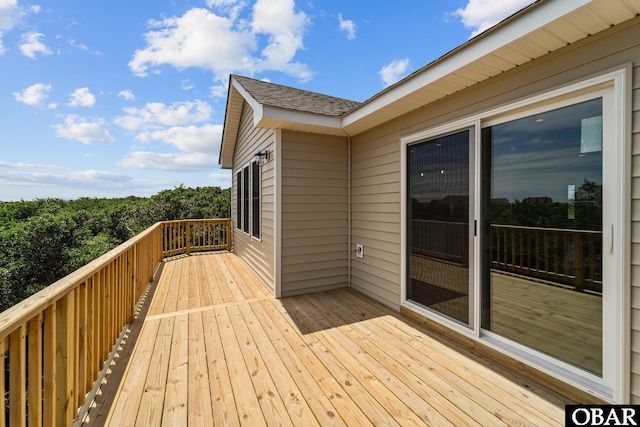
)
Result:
{"points": [[216, 349]]}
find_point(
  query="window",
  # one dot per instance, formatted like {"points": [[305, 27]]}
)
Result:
{"points": [[535, 188], [248, 214], [245, 199], [255, 200], [239, 200]]}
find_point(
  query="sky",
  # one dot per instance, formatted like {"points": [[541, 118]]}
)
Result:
{"points": [[120, 98]]}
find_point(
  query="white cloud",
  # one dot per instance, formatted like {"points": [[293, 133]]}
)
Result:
{"points": [[226, 43], [31, 45], [394, 71], [480, 15], [21, 165], [349, 26], [155, 115], [87, 132], [181, 162], [222, 3], [203, 139], [34, 94], [10, 14], [127, 95], [221, 177], [284, 28], [219, 91], [82, 98], [231, 8], [199, 38]]}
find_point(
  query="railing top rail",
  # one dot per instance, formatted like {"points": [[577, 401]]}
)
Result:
{"points": [[36, 303], [177, 221]]}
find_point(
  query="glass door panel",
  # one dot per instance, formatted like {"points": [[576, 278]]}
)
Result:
{"points": [[438, 225], [542, 273]]}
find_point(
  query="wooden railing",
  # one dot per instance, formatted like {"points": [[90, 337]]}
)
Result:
{"points": [[566, 257], [54, 344], [186, 236]]}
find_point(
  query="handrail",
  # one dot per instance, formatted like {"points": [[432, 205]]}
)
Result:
{"points": [[57, 341]]}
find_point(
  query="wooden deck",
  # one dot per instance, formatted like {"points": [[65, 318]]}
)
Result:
{"points": [[213, 348]]}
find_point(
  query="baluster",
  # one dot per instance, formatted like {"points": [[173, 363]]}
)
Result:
{"points": [[17, 377], [3, 351], [34, 370]]}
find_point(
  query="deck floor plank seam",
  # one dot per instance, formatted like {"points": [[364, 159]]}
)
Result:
{"points": [[249, 409], [222, 398], [271, 402]]}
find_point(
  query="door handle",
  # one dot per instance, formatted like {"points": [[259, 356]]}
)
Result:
{"points": [[608, 238]]}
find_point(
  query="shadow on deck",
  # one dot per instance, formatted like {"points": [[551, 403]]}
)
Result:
{"points": [[211, 346]]}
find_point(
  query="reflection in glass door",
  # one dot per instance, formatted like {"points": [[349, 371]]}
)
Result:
{"points": [[438, 225], [542, 275]]}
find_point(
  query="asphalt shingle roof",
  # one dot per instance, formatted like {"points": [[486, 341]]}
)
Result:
{"points": [[295, 99]]}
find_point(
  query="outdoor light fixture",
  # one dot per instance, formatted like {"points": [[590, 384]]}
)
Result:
{"points": [[261, 156]]}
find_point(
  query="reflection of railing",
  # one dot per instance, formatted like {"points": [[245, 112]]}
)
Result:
{"points": [[443, 240], [54, 344], [568, 257]]}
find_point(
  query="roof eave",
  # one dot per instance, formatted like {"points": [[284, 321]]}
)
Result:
{"points": [[512, 30], [236, 97]]}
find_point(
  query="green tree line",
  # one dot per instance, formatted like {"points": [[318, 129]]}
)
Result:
{"points": [[43, 240]]}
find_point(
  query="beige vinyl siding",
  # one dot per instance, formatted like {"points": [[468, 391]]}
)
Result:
{"points": [[635, 237], [314, 243], [375, 217], [376, 166], [257, 253]]}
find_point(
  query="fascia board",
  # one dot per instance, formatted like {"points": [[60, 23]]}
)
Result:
{"points": [[540, 15], [255, 105]]}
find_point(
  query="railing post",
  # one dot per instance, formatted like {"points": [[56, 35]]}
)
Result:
{"points": [[65, 360]]}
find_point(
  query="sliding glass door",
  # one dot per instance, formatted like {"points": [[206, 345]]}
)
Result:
{"points": [[514, 230]]}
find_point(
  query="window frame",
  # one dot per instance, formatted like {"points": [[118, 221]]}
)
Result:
{"points": [[239, 199], [256, 200], [248, 217]]}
